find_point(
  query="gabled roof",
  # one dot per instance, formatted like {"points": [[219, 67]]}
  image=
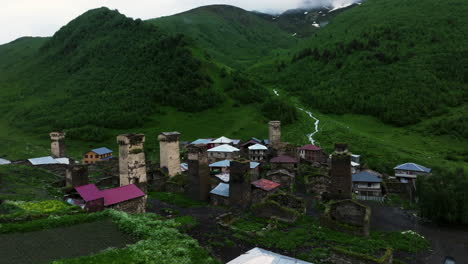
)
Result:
{"points": [[250, 141], [121, 194], [280, 171], [412, 167], [367, 176], [112, 196], [223, 176], [265, 184], [262, 256], [266, 141], [43, 161], [224, 148], [236, 141], [63, 160], [354, 164], [257, 147], [310, 147], [201, 141], [4, 162], [283, 159], [222, 140], [184, 166], [89, 192], [227, 164], [222, 190], [102, 151]]}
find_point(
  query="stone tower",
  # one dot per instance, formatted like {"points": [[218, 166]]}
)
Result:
{"points": [[198, 173], [169, 152], [132, 165], [341, 180], [274, 133], [239, 183], [57, 145], [76, 175]]}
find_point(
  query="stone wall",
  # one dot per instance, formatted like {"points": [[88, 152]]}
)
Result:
{"points": [[343, 257], [341, 179], [77, 175], [133, 206], [283, 207], [239, 183], [57, 145], [132, 165], [198, 173], [274, 133], [347, 216], [170, 152]]}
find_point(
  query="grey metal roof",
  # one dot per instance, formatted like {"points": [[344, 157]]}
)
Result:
{"points": [[227, 164], [412, 167], [222, 190], [202, 141], [102, 151], [366, 176], [4, 162], [43, 161]]}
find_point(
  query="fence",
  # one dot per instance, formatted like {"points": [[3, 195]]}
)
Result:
{"points": [[370, 198]]}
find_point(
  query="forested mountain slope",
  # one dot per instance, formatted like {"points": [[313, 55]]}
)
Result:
{"points": [[401, 61], [102, 70], [229, 34]]}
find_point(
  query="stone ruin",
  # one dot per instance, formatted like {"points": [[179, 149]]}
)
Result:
{"points": [[169, 152], [340, 173], [340, 256], [240, 183], [281, 206], [198, 173], [76, 175], [132, 165], [347, 216], [57, 145]]}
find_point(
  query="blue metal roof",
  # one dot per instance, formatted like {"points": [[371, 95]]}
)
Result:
{"points": [[102, 151], [366, 176], [412, 167], [222, 190]]}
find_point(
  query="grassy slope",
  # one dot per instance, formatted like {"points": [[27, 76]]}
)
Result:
{"points": [[229, 34]]}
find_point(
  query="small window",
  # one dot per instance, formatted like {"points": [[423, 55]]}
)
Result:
{"points": [[86, 156], [369, 184]]}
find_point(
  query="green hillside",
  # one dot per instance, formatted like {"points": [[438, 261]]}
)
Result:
{"points": [[230, 35], [400, 61]]}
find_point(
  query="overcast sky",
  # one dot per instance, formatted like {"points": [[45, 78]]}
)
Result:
{"points": [[20, 18]]}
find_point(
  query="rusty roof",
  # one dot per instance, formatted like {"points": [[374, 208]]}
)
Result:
{"points": [[265, 184]]}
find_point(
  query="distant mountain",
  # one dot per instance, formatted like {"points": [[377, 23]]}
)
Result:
{"points": [[229, 34], [401, 61]]}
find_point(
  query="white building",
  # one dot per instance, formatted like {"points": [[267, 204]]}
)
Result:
{"points": [[262, 256]]}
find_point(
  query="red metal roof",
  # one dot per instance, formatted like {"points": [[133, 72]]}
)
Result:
{"points": [[310, 147], [120, 194], [265, 184], [89, 192], [112, 196], [283, 159]]}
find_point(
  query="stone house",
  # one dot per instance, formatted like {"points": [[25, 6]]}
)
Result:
{"points": [[220, 195], [312, 153], [347, 216], [367, 183], [127, 198], [284, 162], [408, 172], [262, 188], [223, 152], [257, 152], [283, 177], [223, 167], [95, 155]]}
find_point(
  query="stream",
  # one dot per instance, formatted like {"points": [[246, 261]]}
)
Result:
{"points": [[316, 123]]}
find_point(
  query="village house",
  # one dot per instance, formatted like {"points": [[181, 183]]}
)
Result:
{"points": [[312, 153], [262, 188], [284, 162], [221, 169], [220, 195], [250, 142], [257, 152], [127, 198], [201, 141], [408, 172], [284, 177], [367, 183], [223, 152], [96, 155], [355, 163]]}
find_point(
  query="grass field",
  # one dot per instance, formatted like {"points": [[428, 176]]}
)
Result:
{"points": [[65, 242]]}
